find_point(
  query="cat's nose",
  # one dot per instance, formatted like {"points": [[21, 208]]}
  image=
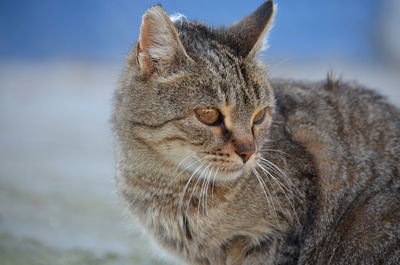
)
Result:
{"points": [[245, 150]]}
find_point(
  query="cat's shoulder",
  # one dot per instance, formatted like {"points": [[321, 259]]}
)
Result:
{"points": [[331, 91]]}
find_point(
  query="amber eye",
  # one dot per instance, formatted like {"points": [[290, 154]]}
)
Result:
{"points": [[208, 115], [260, 116]]}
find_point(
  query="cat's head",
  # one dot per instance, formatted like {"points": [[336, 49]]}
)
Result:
{"points": [[196, 98]]}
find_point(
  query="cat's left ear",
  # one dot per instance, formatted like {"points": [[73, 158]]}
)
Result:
{"points": [[159, 48], [251, 31]]}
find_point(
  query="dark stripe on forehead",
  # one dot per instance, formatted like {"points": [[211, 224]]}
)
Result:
{"points": [[235, 81], [243, 73], [257, 91], [239, 74], [245, 92], [252, 87], [242, 95]]}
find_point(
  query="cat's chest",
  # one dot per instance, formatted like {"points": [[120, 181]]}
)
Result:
{"points": [[207, 225]]}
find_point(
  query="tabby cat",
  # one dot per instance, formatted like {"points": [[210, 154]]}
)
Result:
{"points": [[224, 167]]}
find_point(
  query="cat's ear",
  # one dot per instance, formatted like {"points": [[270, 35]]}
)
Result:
{"points": [[251, 31], [159, 47]]}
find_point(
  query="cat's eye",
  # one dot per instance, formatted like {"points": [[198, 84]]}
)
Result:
{"points": [[260, 116], [208, 115]]}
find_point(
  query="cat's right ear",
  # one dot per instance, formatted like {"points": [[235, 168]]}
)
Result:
{"points": [[251, 31], [159, 48]]}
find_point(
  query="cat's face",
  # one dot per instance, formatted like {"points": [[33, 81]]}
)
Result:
{"points": [[206, 123], [198, 104]]}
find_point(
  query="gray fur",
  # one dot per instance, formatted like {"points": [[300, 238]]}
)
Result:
{"points": [[330, 191]]}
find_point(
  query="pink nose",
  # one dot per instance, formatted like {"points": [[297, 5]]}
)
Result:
{"points": [[245, 150]]}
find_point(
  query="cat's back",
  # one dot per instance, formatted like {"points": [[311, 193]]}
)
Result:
{"points": [[348, 113], [353, 136]]}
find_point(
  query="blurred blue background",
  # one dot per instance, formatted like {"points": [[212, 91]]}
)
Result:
{"points": [[104, 30], [60, 62]]}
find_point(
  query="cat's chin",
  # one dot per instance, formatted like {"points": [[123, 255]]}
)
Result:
{"points": [[232, 173], [229, 174], [222, 174]]}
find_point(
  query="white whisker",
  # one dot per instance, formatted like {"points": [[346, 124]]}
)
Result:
{"points": [[213, 184], [173, 178], [187, 167], [182, 196], [281, 187], [193, 190], [204, 179], [272, 164], [265, 191], [283, 174], [180, 163], [206, 191], [276, 179], [274, 150]]}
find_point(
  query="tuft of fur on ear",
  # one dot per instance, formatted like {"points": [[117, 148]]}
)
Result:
{"points": [[159, 45], [251, 31], [178, 17]]}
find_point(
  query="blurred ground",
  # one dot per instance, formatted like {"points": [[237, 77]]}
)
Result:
{"points": [[57, 196]]}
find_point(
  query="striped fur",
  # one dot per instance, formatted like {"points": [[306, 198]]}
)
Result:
{"points": [[322, 186]]}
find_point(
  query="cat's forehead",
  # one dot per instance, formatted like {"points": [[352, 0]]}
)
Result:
{"points": [[235, 83], [228, 77], [233, 94]]}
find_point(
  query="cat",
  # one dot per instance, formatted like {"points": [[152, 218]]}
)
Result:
{"points": [[225, 167]]}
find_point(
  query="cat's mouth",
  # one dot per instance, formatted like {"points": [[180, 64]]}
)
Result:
{"points": [[219, 168], [227, 174], [232, 169]]}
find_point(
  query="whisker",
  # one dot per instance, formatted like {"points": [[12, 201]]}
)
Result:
{"points": [[272, 164], [290, 186], [278, 169], [183, 170], [276, 179], [272, 188], [204, 179], [199, 198], [206, 191], [182, 196], [180, 163], [265, 190], [273, 150], [213, 184], [272, 198], [176, 169], [280, 185], [193, 190], [174, 178]]}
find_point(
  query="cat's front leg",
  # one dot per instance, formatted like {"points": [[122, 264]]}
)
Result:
{"points": [[197, 254], [236, 250], [242, 251], [231, 253]]}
